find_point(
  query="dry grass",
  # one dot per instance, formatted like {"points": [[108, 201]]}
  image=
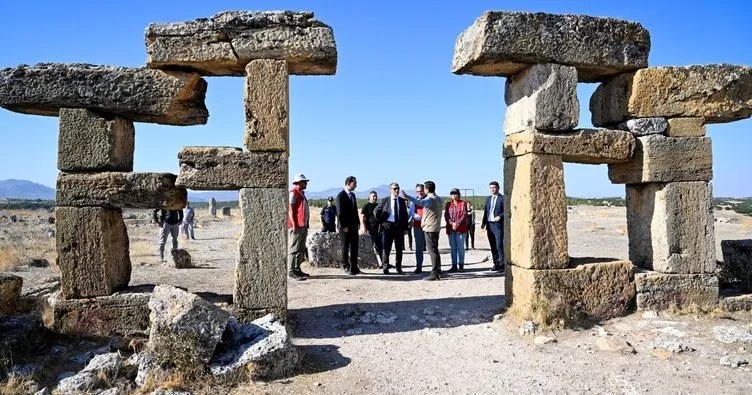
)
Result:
{"points": [[18, 384], [10, 261], [142, 248]]}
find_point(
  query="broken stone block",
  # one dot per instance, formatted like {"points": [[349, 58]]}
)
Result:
{"points": [[224, 43], [185, 328], [670, 227], [181, 258], [261, 272], [543, 97], [591, 289], [645, 126], [91, 142], [262, 347], [502, 43], [662, 291], [267, 106], [592, 146], [659, 158], [686, 127], [120, 190], [717, 92], [535, 227], [325, 250], [10, 292], [92, 251], [228, 168], [736, 268], [736, 302], [137, 94]]}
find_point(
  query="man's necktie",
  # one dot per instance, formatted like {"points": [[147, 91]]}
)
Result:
{"points": [[396, 209]]}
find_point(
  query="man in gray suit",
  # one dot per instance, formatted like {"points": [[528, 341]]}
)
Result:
{"points": [[493, 223]]}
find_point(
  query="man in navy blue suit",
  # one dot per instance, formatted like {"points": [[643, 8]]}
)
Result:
{"points": [[493, 223]]}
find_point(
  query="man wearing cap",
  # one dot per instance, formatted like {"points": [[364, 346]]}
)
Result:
{"points": [[297, 225], [392, 215], [431, 225], [328, 215], [349, 223], [493, 223]]}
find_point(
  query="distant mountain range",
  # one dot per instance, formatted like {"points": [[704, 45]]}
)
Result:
{"points": [[381, 190], [23, 189]]}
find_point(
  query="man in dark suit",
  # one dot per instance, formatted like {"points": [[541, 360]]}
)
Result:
{"points": [[493, 222], [349, 222], [392, 215]]}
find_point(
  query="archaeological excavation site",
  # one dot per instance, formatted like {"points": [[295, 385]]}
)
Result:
{"points": [[649, 129]]}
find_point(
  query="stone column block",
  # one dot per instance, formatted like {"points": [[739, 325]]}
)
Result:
{"points": [[535, 223], [544, 97], [261, 271], [670, 227], [92, 251], [120, 190], [665, 159], [88, 141], [267, 106], [591, 146], [228, 168], [660, 291], [686, 127]]}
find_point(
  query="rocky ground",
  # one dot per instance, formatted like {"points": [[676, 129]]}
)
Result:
{"points": [[398, 334]]}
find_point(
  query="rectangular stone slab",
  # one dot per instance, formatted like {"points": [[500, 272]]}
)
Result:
{"points": [[91, 142], [535, 211], [670, 227], [592, 289], [261, 271], [138, 94], [501, 43], [661, 291], [229, 168], [686, 127], [120, 190], [659, 158], [92, 251], [226, 42], [267, 106], [718, 92], [590, 146], [736, 268]]}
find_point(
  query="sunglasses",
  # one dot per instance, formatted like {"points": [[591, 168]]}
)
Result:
{"points": [[395, 189]]}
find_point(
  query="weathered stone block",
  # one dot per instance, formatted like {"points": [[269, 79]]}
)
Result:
{"points": [[502, 43], [535, 223], [660, 291], [10, 292], [736, 302], [91, 142], [92, 251], [125, 314], [543, 97], [261, 272], [267, 106], [228, 168], [645, 126], [120, 190], [719, 93], [592, 146], [686, 127], [325, 250], [736, 268], [226, 42], [592, 289], [659, 158], [670, 227], [138, 94]]}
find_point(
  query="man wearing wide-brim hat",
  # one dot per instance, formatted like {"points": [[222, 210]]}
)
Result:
{"points": [[297, 225]]}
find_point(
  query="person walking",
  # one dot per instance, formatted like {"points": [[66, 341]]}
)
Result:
{"points": [[188, 217], [169, 225], [431, 224], [455, 214], [349, 222], [392, 215], [470, 236], [369, 224], [298, 215], [493, 223], [416, 216], [328, 216]]}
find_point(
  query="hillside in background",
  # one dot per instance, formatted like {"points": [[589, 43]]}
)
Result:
{"points": [[22, 189]]}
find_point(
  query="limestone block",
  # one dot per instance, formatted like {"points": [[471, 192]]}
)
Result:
{"points": [[267, 106], [659, 158], [736, 302], [535, 212], [325, 250], [125, 313], [88, 141], [592, 289], [92, 251], [661, 291], [224, 43], [670, 227], [10, 292], [119, 190], [228, 168], [736, 268], [138, 94], [717, 92], [686, 127], [261, 272], [592, 146], [501, 43], [543, 97], [645, 126]]}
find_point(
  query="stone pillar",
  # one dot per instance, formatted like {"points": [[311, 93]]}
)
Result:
{"points": [[267, 104]]}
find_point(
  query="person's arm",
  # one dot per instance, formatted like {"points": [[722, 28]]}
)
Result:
{"points": [[424, 202], [446, 214], [462, 217], [291, 213], [156, 218], [322, 215], [180, 216], [379, 210], [484, 221]]}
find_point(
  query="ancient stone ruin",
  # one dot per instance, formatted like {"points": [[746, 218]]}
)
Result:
{"points": [[653, 141]]}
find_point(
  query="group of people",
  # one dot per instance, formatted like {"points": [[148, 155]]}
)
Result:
{"points": [[388, 220]]}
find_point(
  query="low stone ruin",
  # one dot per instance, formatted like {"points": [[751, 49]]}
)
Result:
{"points": [[652, 139], [325, 250]]}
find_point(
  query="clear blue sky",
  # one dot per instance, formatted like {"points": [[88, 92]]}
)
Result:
{"points": [[393, 111]]}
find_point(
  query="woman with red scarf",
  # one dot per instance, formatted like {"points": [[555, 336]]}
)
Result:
{"points": [[455, 214]]}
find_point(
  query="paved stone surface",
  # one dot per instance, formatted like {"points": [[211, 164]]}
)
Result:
{"points": [[590, 146], [228, 168], [661, 291], [120, 190], [90, 142], [659, 158]]}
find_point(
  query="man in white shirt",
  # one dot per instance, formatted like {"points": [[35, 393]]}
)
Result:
{"points": [[493, 223]]}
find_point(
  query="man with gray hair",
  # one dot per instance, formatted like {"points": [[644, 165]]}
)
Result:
{"points": [[392, 215]]}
